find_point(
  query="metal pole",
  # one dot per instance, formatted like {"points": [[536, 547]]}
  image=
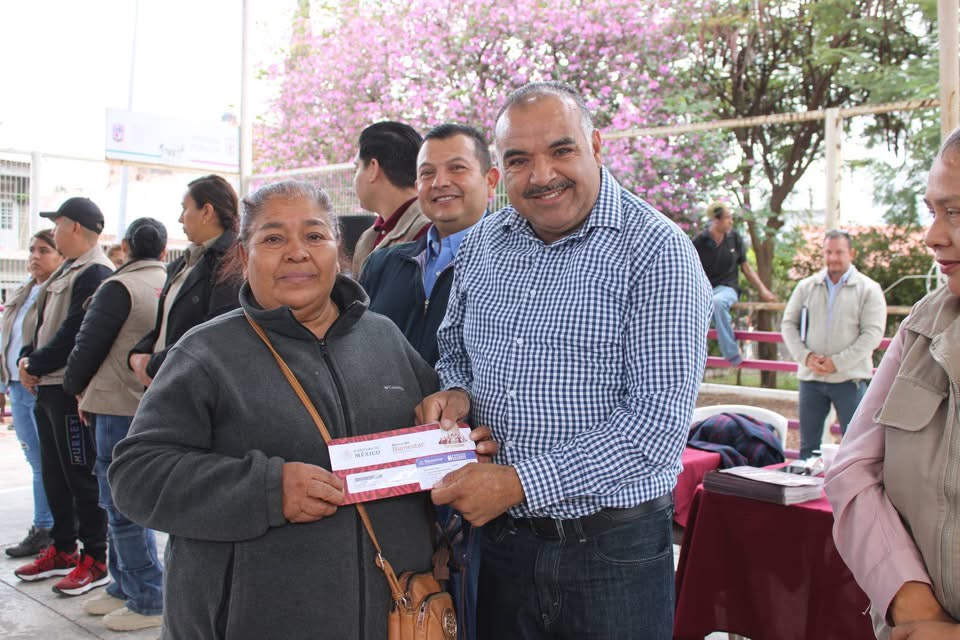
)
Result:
{"points": [[125, 171], [246, 117], [33, 220], [833, 135], [947, 11]]}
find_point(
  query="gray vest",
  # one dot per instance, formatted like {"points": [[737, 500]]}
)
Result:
{"points": [[921, 466], [53, 302], [114, 389], [6, 327]]}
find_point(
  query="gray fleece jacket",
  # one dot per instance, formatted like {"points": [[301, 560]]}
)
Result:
{"points": [[203, 462]]}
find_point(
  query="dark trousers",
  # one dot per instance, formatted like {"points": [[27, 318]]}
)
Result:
{"points": [[814, 405], [67, 456], [616, 585], [464, 542]]}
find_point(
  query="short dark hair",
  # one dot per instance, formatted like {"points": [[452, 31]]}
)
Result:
{"points": [[395, 146], [480, 148], [533, 90], [146, 238], [219, 194], [833, 234]]}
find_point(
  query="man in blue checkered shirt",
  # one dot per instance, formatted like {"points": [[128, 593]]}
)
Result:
{"points": [[576, 329]]}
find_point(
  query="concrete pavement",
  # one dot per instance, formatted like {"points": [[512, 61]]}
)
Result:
{"points": [[31, 610]]}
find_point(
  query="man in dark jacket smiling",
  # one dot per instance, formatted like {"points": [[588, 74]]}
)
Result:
{"points": [[410, 283]]}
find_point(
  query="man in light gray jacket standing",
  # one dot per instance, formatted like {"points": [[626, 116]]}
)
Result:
{"points": [[832, 324]]}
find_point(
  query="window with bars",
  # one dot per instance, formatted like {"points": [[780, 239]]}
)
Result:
{"points": [[6, 215]]}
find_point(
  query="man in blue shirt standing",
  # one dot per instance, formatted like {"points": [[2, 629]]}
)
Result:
{"points": [[576, 329], [410, 283]]}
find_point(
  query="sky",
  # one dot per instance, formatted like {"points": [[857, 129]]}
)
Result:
{"points": [[68, 61]]}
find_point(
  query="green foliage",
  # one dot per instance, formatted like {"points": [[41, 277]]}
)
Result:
{"points": [[900, 189], [756, 59], [783, 258], [749, 378], [895, 257], [900, 186], [888, 254]]}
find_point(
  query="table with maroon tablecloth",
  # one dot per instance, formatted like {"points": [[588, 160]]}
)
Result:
{"points": [[765, 571], [696, 464]]}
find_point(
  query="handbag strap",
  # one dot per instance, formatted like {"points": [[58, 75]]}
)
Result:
{"points": [[396, 590]]}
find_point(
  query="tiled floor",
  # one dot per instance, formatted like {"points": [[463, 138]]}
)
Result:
{"points": [[32, 610]]}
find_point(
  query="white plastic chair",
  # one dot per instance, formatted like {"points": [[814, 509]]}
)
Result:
{"points": [[759, 413]]}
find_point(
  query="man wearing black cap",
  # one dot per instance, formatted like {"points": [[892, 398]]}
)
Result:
{"points": [[67, 449]]}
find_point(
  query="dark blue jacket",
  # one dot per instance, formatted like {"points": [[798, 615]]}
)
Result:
{"points": [[393, 278], [740, 440]]}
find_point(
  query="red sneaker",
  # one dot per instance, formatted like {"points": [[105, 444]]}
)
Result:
{"points": [[49, 563], [88, 574]]}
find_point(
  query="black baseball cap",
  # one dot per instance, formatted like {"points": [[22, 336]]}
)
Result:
{"points": [[81, 210]]}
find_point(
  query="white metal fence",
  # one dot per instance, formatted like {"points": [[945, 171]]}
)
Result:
{"points": [[31, 182]]}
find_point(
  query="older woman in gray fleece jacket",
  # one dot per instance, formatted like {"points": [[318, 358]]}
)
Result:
{"points": [[224, 457]]}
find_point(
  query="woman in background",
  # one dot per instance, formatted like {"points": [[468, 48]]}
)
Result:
{"points": [[117, 255], [195, 291], [19, 315]]}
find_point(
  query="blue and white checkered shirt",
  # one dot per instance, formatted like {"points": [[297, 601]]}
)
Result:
{"points": [[584, 356]]}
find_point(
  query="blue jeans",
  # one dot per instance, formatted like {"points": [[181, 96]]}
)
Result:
{"points": [[723, 299], [21, 406], [814, 405], [132, 550], [616, 585]]}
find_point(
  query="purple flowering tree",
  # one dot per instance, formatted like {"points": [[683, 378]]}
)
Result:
{"points": [[355, 62]]}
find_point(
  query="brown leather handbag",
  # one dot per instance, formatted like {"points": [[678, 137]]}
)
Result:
{"points": [[421, 609]]}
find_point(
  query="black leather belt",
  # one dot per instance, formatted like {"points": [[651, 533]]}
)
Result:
{"points": [[591, 525]]}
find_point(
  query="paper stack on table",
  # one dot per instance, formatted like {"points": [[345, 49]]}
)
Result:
{"points": [[769, 485]]}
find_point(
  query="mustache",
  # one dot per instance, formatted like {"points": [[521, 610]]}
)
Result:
{"points": [[533, 192]]}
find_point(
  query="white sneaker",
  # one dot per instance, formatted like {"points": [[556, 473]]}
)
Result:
{"points": [[125, 620], [102, 604]]}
